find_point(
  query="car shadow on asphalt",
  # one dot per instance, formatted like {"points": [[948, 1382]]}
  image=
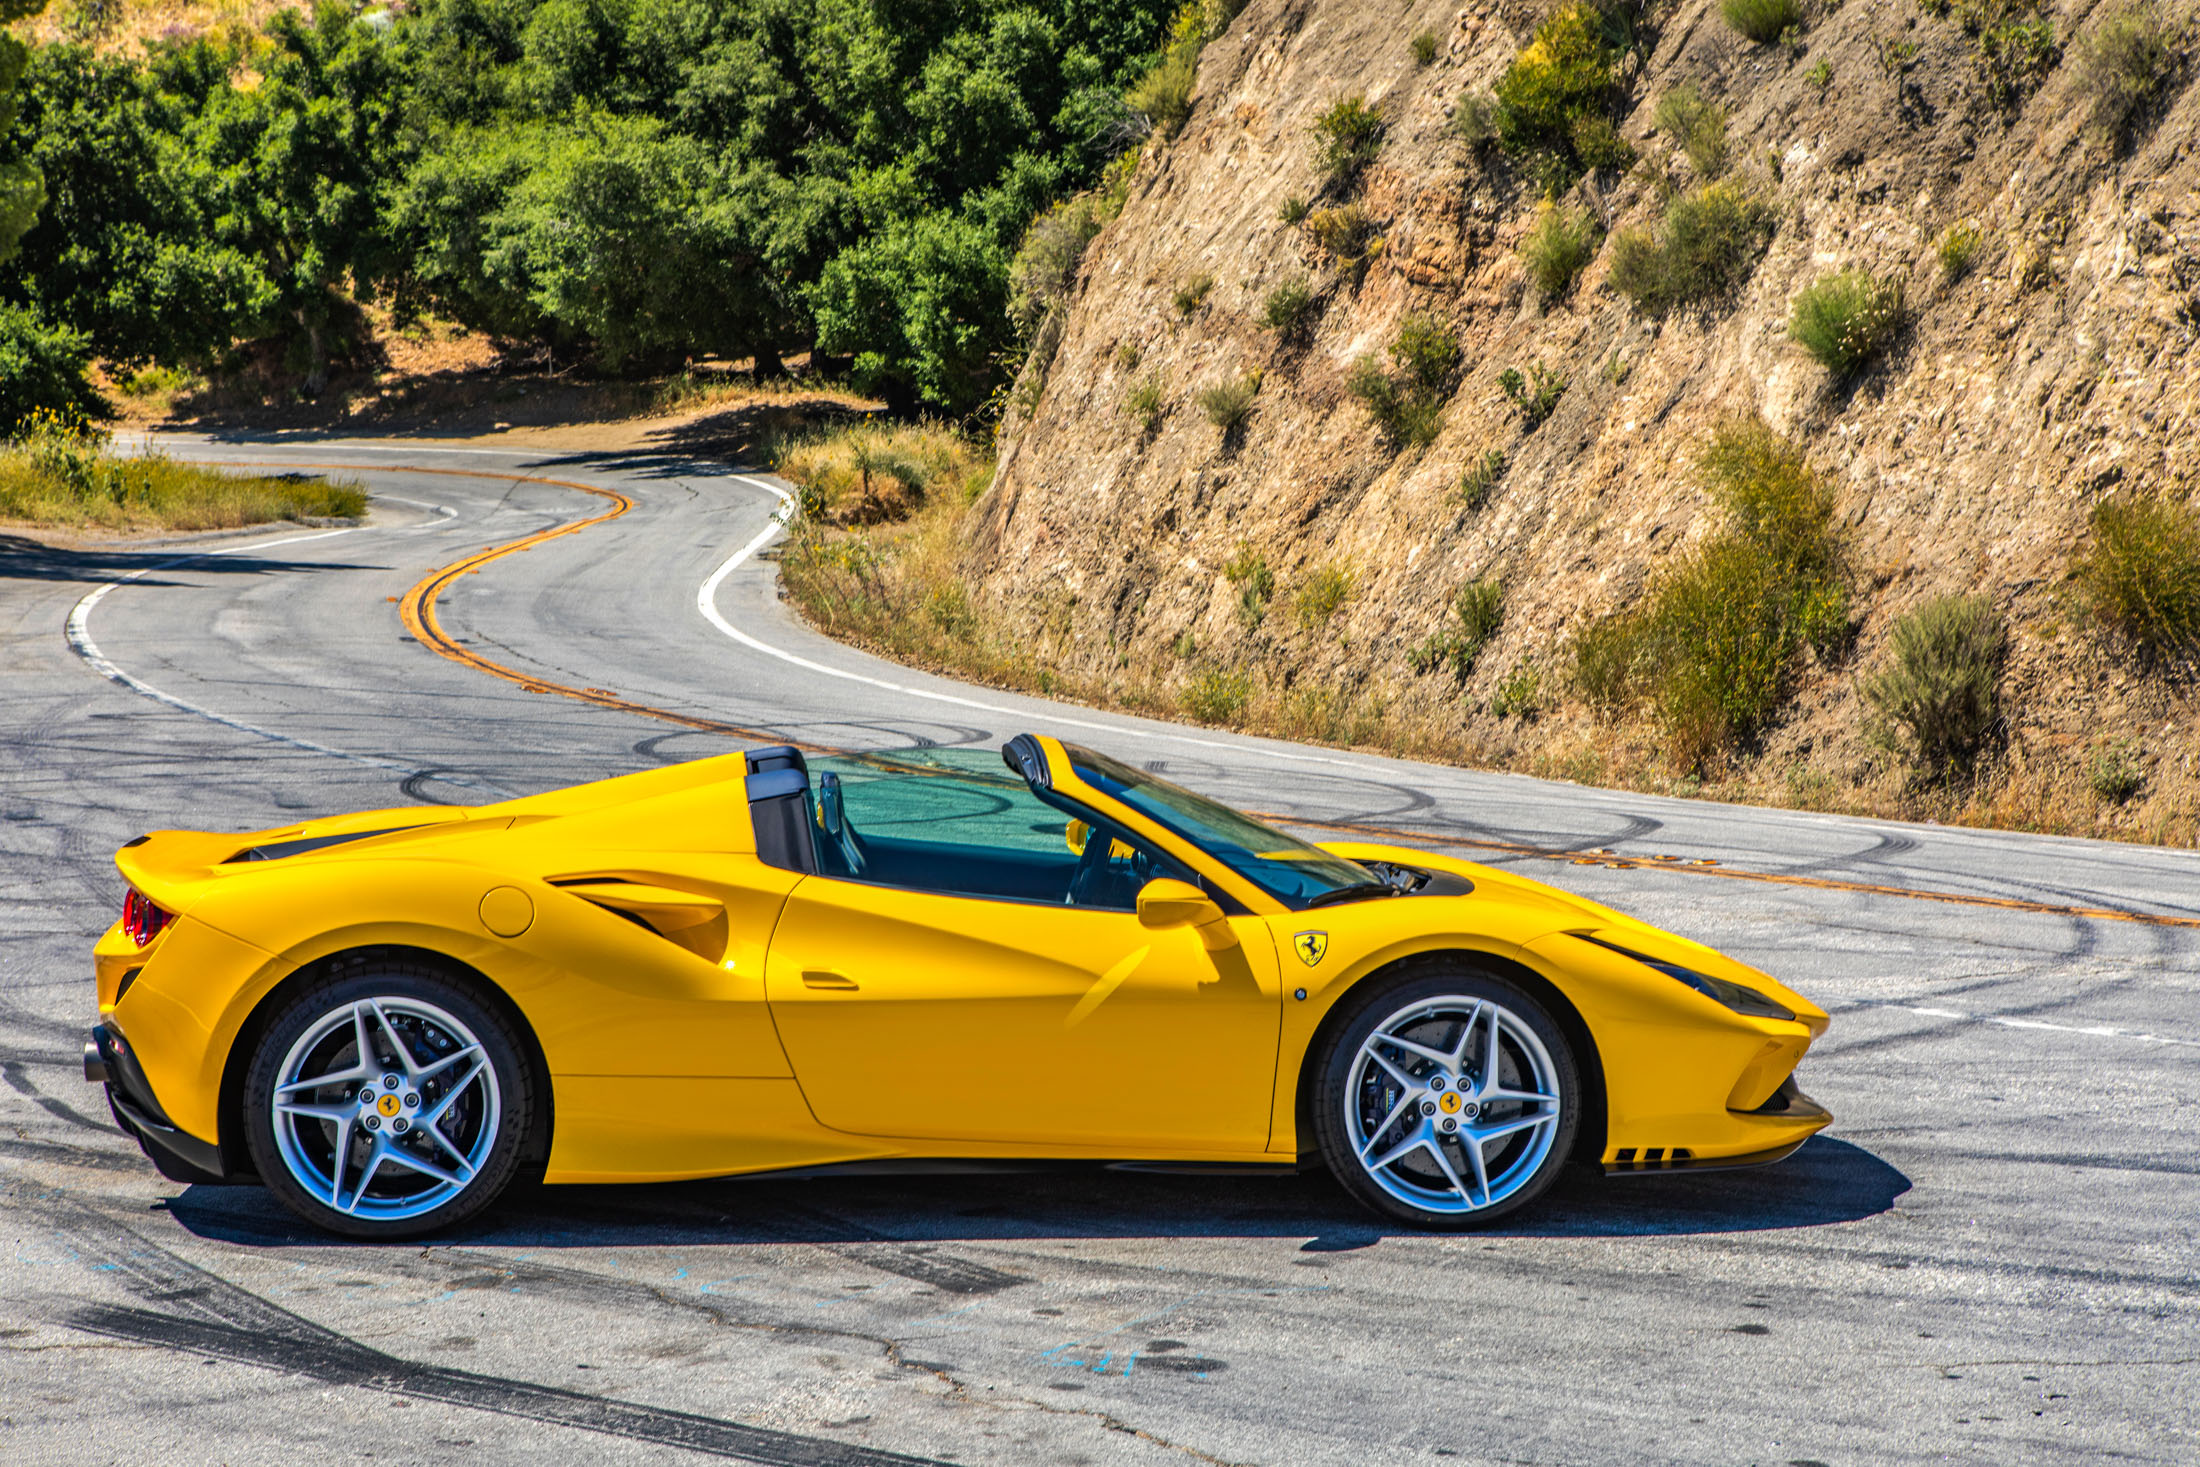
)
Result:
{"points": [[1826, 1182]]}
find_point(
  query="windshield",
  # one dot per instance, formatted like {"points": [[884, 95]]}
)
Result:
{"points": [[1287, 868]]}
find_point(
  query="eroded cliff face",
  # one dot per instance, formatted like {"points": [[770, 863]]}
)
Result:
{"points": [[1967, 458]]}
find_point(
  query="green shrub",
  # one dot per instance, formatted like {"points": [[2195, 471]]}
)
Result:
{"points": [[1697, 127], [2013, 45], [1143, 401], [1193, 292], [1519, 693], [1228, 404], [1045, 265], [1426, 350], [1163, 96], [1323, 595], [1477, 611], [1347, 232], [1474, 120], [1708, 243], [1846, 319], [1289, 309], [1248, 570], [1605, 657], [42, 367], [1959, 248], [1942, 695], [1558, 247], [1771, 496], [1763, 21], [2128, 60], [1292, 210], [1480, 607], [1424, 47], [1714, 649], [1535, 394], [1480, 477], [1568, 72], [1218, 695], [1347, 136], [1597, 144], [1820, 76], [2116, 774], [1409, 407], [1408, 416], [2141, 574]]}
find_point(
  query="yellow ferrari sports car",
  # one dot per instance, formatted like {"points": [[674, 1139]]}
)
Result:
{"points": [[763, 962]]}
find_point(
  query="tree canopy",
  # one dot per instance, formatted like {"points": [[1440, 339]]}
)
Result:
{"points": [[636, 181]]}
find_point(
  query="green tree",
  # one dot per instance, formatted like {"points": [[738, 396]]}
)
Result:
{"points": [[301, 159], [21, 191], [918, 306], [123, 250]]}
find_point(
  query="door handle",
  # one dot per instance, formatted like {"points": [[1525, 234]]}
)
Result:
{"points": [[827, 978]]}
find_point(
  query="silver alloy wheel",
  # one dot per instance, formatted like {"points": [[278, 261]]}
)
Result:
{"points": [[386, 1108], [1452, 1104]]}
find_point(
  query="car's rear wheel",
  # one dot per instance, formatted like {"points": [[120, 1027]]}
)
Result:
{"points": [[1446, 1099], [387, 1103]]}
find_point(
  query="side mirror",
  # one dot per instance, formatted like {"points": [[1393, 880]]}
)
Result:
{"points": [[1165, 902]]}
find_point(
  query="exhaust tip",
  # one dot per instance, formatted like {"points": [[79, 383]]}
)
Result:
{"points": [[95, 1060]]}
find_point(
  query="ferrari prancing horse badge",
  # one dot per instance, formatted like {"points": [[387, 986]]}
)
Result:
{"points": [[1310, 946]]}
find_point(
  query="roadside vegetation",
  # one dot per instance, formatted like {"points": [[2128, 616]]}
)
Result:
{"points": [[621, 191], [61, 471], [1703, 249], [1407, 399], [1714, 651]]}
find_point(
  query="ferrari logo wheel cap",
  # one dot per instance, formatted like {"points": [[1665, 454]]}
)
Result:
{"points": [[1310, 946], [389, 1105]]}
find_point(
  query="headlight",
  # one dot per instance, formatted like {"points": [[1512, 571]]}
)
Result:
{"points": [[1739, 997]]}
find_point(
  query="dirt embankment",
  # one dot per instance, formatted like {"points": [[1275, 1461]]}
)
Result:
{"points": [[1967, 457]]}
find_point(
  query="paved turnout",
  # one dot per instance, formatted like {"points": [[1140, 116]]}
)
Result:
{"points": [[1989, 1258]]}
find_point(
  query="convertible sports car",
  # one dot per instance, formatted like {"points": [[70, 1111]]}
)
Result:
{"points": [[760, 962]]}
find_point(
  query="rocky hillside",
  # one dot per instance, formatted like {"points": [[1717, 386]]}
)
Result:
{"points": [[1285, 573]]}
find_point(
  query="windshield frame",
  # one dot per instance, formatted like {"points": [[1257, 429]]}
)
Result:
{"points": [[1257, 868]]}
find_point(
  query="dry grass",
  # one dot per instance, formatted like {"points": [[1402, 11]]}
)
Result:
{"points": [[54, 476], [878, 472], [125, 25]]}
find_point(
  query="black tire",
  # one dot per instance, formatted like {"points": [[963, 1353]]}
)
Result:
{"points": [[1521, 1163], [427, 1008]]}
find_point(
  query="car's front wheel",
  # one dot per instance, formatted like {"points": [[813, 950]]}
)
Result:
{"points": [[387, 1102], [1446, 1099]]}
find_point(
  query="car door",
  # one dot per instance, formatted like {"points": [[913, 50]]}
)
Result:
{"points": [[957, 1016], [915, 1014]]}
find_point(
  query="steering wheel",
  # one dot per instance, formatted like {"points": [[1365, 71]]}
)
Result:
{"points": [[1088, 884], [834, 818]]}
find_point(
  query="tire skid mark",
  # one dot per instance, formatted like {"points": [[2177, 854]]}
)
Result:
{"points": [[208, 1315]]}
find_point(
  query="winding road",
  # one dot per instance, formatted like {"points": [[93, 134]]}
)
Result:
{"points": [[1991, 1256]]}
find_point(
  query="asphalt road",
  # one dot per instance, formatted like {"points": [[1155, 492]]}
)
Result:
{"points": [[1990, 1257]]}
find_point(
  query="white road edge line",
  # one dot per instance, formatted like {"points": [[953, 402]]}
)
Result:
{"points": [[2097, 1031], [79, 631], [706, 601]]}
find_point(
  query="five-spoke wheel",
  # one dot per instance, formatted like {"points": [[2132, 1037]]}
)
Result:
{"points": [[387, 1103], [1446, 1099]]}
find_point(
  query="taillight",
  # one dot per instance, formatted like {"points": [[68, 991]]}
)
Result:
{"points": [[141, 919]]}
